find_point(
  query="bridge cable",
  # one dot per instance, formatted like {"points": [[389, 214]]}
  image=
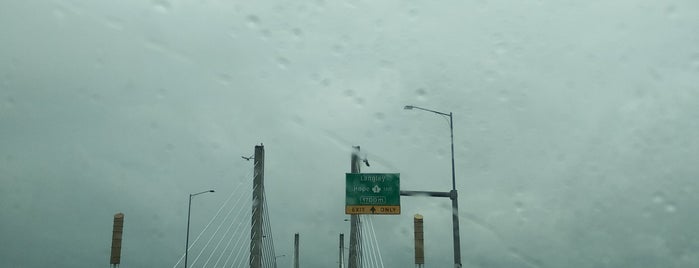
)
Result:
{"points": [[233, 208], [211, 221], [376, 241], [234, 234], [208, 242], [215, 232], [238, 261], [269, 241], [368, 242]]}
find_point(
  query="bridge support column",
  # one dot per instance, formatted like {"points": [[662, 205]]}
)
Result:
{"points": [[355, 257], [257, 206]]}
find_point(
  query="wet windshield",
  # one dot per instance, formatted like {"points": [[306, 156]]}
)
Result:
{"points": [[575, 128]]}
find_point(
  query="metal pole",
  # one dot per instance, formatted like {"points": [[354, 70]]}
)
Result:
{"points": [[189, 212], [186, 249], [451, 130], [453, 195], [426, 193], [454, 201], [457, 239]]}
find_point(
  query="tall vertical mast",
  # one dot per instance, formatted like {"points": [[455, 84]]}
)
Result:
{"points": [[257, 205], [355, 257], [342, 251], [296, 250]]}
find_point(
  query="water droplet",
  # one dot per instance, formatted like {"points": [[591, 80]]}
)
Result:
{"points": [[100, 62], [162, 6], [14, 64], [253, 21], [405, 231], [95, 97], [338, 49], [670, 208], [114, 23], [225, 79], [490, 76], [351, 3], [233, 32], [161, 94], [297, 32], [421, 92], [315, 77], [519, 207], [501, 48], [266, 34], [325, 82], [695, 62], [59, 13], [8, 103], [504, 96], [412, 12], [671, 12], [349, 93], [379, 25], [658, 198], [282, 62], [483, 6], [380, 116], [359, 101], [156, 45], [655, 74], [298, 120], [386, 64]]}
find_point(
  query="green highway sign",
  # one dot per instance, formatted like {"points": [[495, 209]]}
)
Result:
{"points": [[372, 193]]}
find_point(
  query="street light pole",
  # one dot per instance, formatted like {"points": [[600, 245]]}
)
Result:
{"points": [[453, 195], [189, 213], [454, 201]]}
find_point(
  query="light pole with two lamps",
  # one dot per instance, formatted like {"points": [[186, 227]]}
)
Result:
{"points": [[189, 210], [451, 194]]}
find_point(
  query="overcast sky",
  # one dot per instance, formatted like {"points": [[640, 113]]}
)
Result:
{"points": [[575, 126]]}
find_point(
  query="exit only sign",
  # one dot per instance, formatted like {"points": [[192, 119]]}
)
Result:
{"points": [[372, 193]]}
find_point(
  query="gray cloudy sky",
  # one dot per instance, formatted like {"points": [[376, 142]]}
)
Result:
{"points": [[576, 125]]}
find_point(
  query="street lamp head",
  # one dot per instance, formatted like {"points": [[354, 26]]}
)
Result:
{"points": [[207, 191], [408, 107]]}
